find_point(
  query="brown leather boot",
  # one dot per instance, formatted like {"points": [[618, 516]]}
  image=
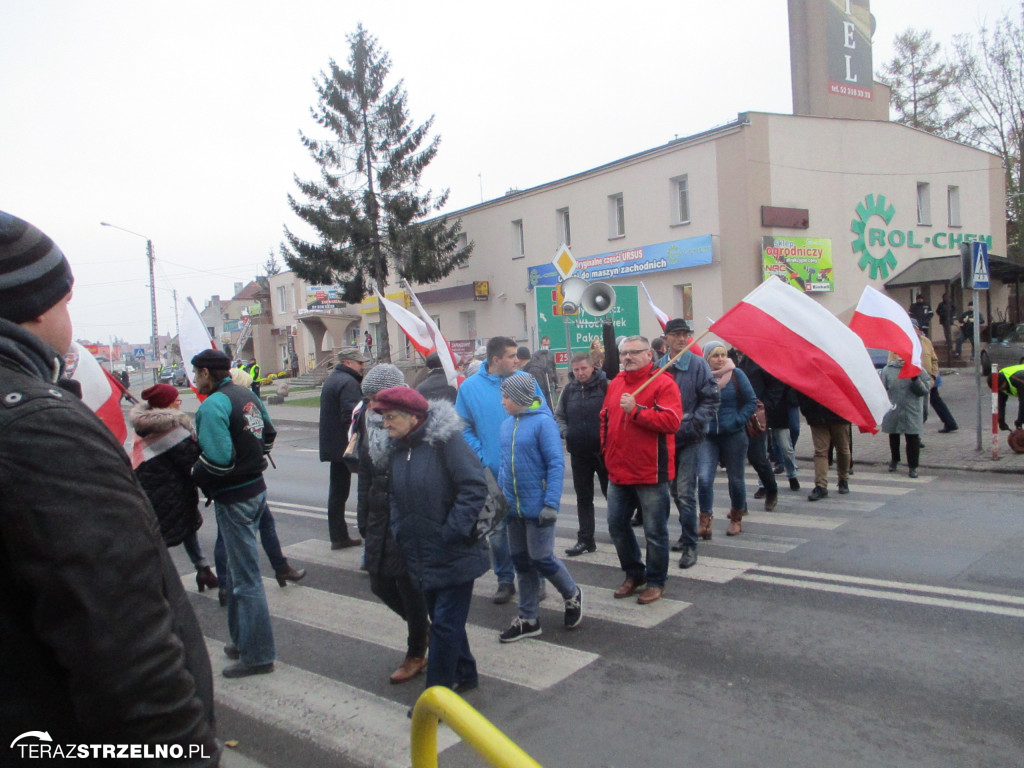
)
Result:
{"points": [[412, 666], [704, 527], [735, 526]]}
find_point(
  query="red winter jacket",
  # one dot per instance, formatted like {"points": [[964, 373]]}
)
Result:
{"points": [[640, 447]]}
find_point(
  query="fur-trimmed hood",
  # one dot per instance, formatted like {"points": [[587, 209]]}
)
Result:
{"points": [[154, 421], [442, 422]]}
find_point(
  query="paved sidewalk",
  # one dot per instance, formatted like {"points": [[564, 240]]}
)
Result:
{"points": [[956, 450]]}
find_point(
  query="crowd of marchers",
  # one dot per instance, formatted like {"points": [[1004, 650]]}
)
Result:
{"points": [[101, 644]]}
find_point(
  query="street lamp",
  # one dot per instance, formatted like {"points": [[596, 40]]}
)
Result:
{"points": [[152, 286]]}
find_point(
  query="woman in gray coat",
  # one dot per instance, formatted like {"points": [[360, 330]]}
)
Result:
{"points": [[907, 416]]}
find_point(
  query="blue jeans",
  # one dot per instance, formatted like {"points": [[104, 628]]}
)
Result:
{"points": [[532, 547], [732, 449], [248, 614], [450, 661], [654, 504], [268, 538], [684, 491], [501, 558], [782, 443]]}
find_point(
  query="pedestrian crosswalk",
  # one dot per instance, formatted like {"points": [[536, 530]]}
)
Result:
{"points": [[368, 728]]}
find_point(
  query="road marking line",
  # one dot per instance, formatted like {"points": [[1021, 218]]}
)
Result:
{"points": [[304, 507], [760, 542], [352, 722], [535, 664], [991, 597], [894, 596]]}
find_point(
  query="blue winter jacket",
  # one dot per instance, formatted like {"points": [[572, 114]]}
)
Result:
{"points": [[532, 462], [479, 405], [738, 404]]}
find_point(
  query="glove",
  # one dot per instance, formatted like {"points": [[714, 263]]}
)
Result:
{"points": [[548, 515]]}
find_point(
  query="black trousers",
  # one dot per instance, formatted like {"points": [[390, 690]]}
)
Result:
{"points": [[584, 466], [913, 449], [337, 497], [399, 594]]}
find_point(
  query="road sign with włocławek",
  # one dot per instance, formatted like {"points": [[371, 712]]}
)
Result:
{"points": [[584, 327], [564, 262]]}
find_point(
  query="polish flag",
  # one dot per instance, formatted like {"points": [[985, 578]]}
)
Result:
{"points": [[884, 324], [193, 338], [414, 328], [662, 317], [804, 345], [100, 391], [441, 346]]}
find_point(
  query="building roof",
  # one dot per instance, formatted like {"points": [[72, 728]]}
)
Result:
{"points": [[946, 269]]}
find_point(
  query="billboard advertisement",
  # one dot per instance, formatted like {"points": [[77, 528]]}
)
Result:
{"points": [[803, 262]]}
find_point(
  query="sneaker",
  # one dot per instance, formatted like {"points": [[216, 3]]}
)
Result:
{"points": [[794, 484], [818, 493], [504, 593], [844, 486], [573, 610], [913, 473], [580, 548], [947, 430], [519, 629]]}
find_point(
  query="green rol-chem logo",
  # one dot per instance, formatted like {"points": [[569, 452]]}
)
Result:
{"points": [[872, 206]]}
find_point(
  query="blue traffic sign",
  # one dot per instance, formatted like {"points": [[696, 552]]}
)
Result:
{"points": [[979, 260], [139, 353]]}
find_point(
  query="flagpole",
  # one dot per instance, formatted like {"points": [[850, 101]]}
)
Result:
{"points": [[666, 365]]}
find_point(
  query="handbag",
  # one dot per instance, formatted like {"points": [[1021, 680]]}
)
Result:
{"points": [[757, 424]]}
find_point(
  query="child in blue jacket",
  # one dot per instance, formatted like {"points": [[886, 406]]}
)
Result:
{"points": [[532, 466]]}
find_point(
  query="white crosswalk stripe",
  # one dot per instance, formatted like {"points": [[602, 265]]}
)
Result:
{"points": [[352, 722]]}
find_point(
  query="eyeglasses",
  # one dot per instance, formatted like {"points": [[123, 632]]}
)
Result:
{"points": [[634, 352], [392, 417]]}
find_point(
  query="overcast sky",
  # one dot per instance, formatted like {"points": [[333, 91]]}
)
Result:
{"points": [[180, 121]]}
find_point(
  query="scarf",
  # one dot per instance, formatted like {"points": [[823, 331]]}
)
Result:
{"points": [[724, 374]]}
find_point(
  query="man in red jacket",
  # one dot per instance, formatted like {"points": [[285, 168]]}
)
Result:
{"points": [[638, 440]]}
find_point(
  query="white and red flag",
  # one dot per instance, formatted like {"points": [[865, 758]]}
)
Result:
{"points": [[658, 313], [100, 391], [801, 343], [193, 337], [883, 324], [422, 333]]}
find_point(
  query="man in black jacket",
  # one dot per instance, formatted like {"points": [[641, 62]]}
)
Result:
{"points": [[579, 419], [341, 393], [99, 644], [436, 386]]}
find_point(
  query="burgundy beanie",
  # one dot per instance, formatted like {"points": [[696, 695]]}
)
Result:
{"points": [[401, 399], [160, 395], [34, 275]]}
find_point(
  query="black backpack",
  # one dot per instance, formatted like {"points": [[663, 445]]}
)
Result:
{"points": [[495, 508]]}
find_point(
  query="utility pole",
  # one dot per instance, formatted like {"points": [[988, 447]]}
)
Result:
{"points": [[155, 338]]}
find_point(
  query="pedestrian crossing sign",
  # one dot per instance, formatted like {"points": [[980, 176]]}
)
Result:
{"points": [[979, 260]]}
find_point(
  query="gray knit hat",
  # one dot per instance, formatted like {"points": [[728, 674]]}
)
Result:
{"points": [[380, 377], [34, 275], [711, 346], [520, 388]]}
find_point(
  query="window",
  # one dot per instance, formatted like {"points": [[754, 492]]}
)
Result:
{"points": [[681, 200], [924, 208], [616, 216], [461, 242], [564, 231], [283, 296], [684, 302], [521, 308], [467, 324], [518, 241], [953, 205]]}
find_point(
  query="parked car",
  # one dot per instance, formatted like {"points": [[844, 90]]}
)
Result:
{"points": [[1004, 350], [175, 376]]}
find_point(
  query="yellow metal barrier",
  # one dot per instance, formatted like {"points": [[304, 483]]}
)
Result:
{"points": [[440, 703]]}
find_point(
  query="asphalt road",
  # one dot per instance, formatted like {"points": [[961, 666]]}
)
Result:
{"points": [[880, 628]]}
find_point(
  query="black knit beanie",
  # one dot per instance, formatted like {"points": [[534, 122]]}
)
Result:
{"points": [[34, 275]]}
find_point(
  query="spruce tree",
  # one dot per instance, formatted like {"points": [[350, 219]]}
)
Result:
{"points": [[367, 206]]}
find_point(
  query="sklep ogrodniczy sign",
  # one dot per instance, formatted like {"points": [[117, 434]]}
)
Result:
{"points": [[875, 237], [675, 254]]}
